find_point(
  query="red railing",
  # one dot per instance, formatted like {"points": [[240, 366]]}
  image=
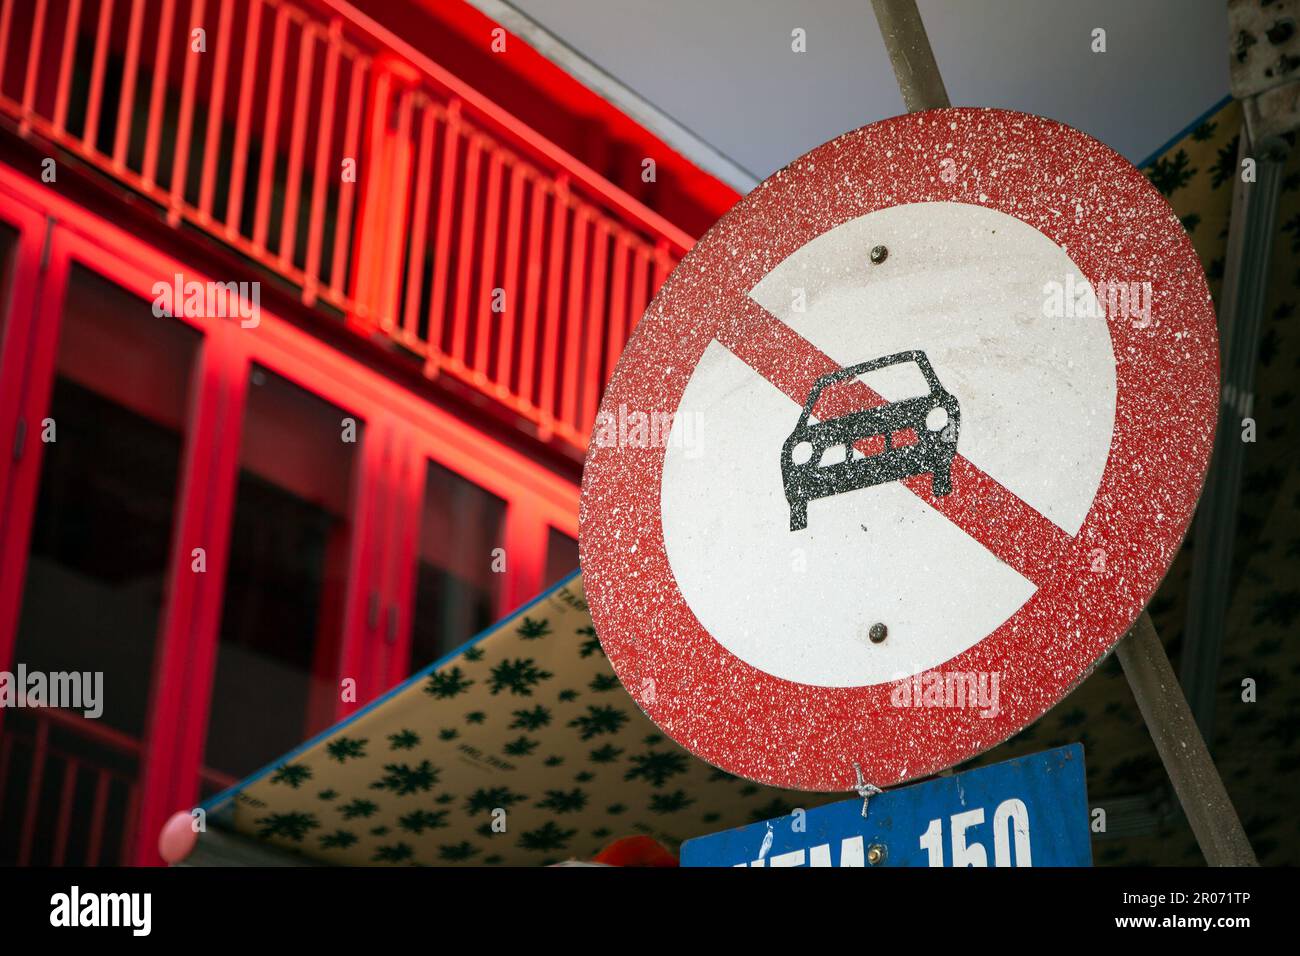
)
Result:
{"points": [[76, 801], [93, 809], [325, 149]]}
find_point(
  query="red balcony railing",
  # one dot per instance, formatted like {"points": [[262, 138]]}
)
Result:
{"points": [[387, 191], [69, 793]]}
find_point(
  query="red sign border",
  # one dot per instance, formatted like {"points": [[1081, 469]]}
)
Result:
{"points": [[1114, 226]]}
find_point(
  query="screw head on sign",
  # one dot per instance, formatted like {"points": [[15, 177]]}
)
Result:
{"points": [[878, 633], [879, 254], [876, 854]]}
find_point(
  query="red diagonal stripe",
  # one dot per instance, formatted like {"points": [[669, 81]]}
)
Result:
{"points": [[996, 517]]}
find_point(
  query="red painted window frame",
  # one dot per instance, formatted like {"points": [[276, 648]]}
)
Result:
{"points": [[402, 430]]}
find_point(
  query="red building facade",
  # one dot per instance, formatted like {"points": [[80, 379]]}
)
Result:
{"points": [[304, 326]]}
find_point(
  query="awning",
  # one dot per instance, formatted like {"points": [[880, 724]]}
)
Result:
{"points": [[519, 748]]}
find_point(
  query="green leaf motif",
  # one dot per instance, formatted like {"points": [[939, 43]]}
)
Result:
{"points": [[403, 779], [403, 740], [533, 719], [417, 821], [599, 720], [447, 683], [457, 852], [343, 749], [396, 853], [520, 747], [656, 766], [1171, 174], [562, 801], [546, 837], [606, 754], [604, 682], [519, 677], [670, 802], [292, 826], [592, 643], [359, 808], [293, 774], [531, 630], [486, 799], [338, 840]]}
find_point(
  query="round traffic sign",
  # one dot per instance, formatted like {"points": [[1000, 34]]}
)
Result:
{"points": [[900, 450]]}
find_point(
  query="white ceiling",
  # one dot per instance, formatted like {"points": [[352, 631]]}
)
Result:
{"points": [[724, 68]]}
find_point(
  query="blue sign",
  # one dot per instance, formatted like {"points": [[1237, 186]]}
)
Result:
{"points": [[1027, 812]]}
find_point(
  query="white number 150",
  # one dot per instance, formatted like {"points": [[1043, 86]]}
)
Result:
{"points": [[1010, 819]]}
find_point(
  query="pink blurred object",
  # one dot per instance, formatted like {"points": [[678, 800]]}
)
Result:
{"points": [[178, 837]]}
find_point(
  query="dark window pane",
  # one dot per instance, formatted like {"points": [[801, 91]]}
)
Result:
{"points": [[100, 546], [8, 242], [281, 623], [456, 588], [561, 556]]}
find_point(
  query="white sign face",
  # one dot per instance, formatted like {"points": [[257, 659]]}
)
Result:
{"points": [[971, 288]]}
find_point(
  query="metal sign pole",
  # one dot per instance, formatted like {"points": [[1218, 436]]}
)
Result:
{"points": [[1160, 699]]}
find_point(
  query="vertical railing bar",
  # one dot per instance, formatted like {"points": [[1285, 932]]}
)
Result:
{"points": [[216, 105], [491, 230], [514, 298], [343, 213], [465, 261], [591, 379], [297, 146], [65, 65], [390, 274], [66, 796], [574, 326], [554, 290], [270, 131], [33, 65], [185, 122], [6, 747], [640, 279], [95, 94], [153, 132], [6, 13], [39, 748], [664, 264], [243, 117], [528, 348], [128, 835], [617, 305], [126, 99], [442, 239], [99, 808], [419, 226], [316, 224]]}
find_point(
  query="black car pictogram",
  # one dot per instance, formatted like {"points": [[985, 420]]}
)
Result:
{"points": [[892, 441]]}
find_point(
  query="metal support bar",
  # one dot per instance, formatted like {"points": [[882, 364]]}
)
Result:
{"points": [[1241, 311], [918, 75], [1187, 760], [1200, 790]]}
